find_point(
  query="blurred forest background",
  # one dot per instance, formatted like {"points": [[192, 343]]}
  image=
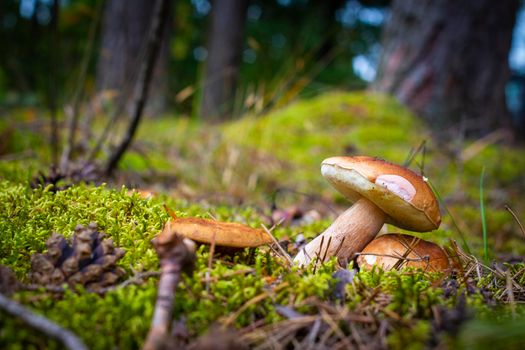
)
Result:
{"points": [[226, 108], [448, 62]]}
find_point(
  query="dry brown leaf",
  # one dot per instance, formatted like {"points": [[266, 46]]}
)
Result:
{"points": [[227, 234]]}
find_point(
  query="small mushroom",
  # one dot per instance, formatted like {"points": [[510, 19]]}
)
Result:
{"points": [[381, 192], [395, 250], [225, 234]]}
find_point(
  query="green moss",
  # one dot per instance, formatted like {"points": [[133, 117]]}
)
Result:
{"points": [[245, 161], [28, 217]]}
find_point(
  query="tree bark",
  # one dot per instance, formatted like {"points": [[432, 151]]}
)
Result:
{"points": [[447, 60], [124, 33], [225, 42]]}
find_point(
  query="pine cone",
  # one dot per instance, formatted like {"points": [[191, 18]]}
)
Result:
{"points": [[90, 260]]}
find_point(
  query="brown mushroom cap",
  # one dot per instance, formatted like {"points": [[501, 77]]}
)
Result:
{"points": [[383, 251], [403, 195], [226, 234]]}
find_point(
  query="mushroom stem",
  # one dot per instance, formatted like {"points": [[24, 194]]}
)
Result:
{"points": [[347, 235]]}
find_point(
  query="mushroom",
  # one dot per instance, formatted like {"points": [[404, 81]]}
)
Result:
{"points": [[225, 234], [395, 250], [382, 192]]}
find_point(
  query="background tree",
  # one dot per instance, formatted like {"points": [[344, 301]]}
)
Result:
{"points": [[448, 61], [124, 30], [225, 43]]}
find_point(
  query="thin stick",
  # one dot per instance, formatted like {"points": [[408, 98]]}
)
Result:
{"points": [[227, 275], [281, 249], [79, 91], [170, 211], [510, 293], [42, 324], [230, 319], [400, 257], [53, 76], [335, 328], [136, 279], [483, 217], [515, 218], [327, 246], [144, 79], [174, 258], [318, 254], [413, 153], [442, 202], [210, 262]]}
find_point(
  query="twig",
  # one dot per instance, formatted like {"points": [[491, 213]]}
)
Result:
{"points": [[483, 217], [408, 249], [210, 262], [327, 246], [281, 249], [79, 91], [118, 111], [231, 318], [42, 324], [174, 257], [53, 90], [510, 293], [318, 254], [414, 152], [160, 15], [400, 257], [170, 211], [136, 279], [476, 147], [515, 218], [443, 205], [335, 328], [306, 195], [207, 279]]}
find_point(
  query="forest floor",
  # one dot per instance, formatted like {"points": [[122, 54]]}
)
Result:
{"points": [[256, 171]]}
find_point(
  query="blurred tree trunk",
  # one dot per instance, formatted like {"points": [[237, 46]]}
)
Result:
{"points": [[225, 42], [448, 61], [124, 32]]}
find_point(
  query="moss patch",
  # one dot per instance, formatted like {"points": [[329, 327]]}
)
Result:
{"points": [[231, 172]]}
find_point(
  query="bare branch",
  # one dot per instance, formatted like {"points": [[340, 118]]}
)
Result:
{"points": [[160, 15], [42, 324], [79, 91]]}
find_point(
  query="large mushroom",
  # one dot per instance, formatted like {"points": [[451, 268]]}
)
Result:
{"points": [[382, 192], [397, 250]]}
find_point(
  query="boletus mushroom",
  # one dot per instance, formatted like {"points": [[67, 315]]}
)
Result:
{"points": [[382, 192], [397, 250]]}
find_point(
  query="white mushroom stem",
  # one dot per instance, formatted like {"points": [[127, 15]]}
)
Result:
{"points": [[347, 235]]}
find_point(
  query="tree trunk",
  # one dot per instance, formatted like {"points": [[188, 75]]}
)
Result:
{"points": [[124, 32], [225, 42], [448, 61]]}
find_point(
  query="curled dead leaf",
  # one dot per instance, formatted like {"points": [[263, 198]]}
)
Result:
{"points": [[226, 234]]}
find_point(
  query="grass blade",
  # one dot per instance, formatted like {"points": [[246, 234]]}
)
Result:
{"points": [[465, 245], [483, 217]]}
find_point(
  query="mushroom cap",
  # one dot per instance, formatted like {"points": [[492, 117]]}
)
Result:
{"points": [[383, 250], [403, 195], [225, 234]]}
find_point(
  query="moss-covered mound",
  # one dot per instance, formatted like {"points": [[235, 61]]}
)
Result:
{"points": [[233, 172]]}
